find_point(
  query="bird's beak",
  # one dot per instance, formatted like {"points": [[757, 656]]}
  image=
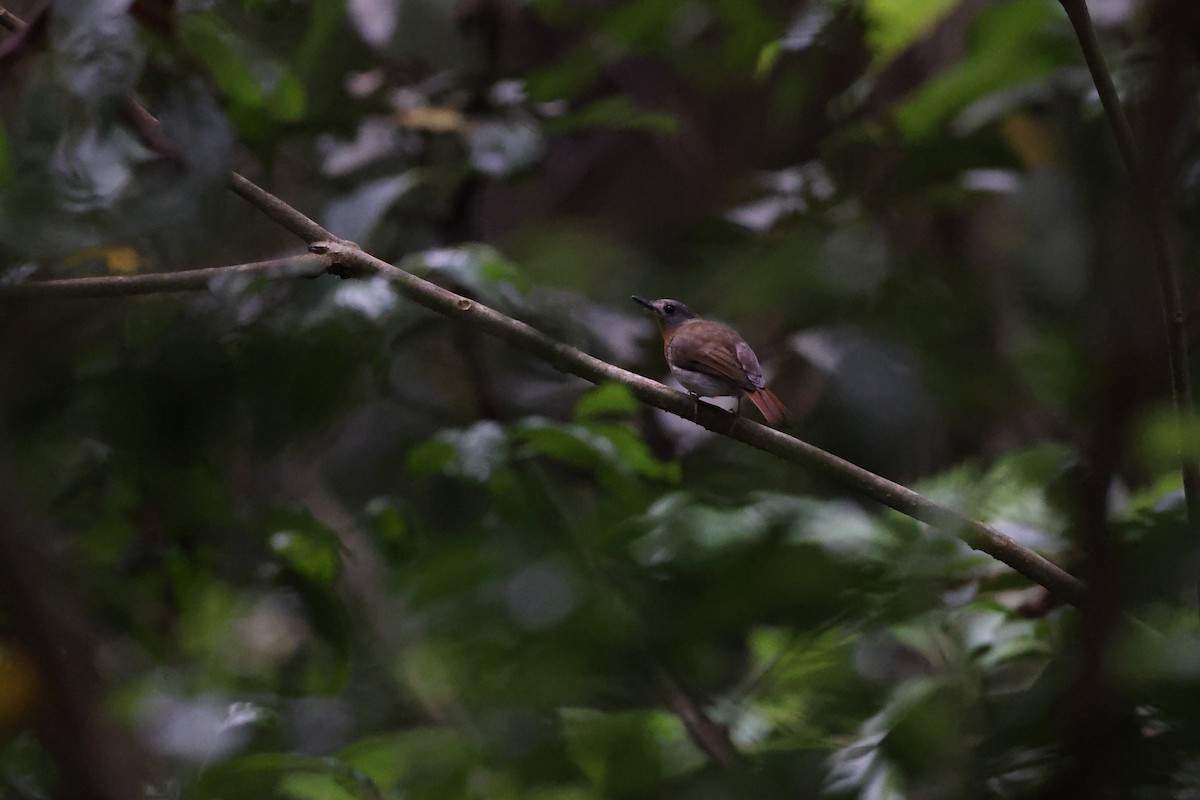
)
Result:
{"points": [[643, 302]]}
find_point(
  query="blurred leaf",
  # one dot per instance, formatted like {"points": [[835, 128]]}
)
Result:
{"points": [[245, 73], [576, 445], [606, 400], [794, 675], [1165, 653], [682, 530], [615, 112], [1010, 44], [1163, 438], [1013, 490], [306, 545], [356, 215], [633, 450], [767, 58], [98, 56], [314, 786], [289, 774], [473, 454], [613, 452], [418, 756], [373, 20], [893, 25], [324, 23], [628, 752], [502, 147], [479, 270]]}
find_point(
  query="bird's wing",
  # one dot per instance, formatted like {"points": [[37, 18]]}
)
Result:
{"points": [[749, 362], [716, 358]]}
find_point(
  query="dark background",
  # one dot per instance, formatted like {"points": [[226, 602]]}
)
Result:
{"points": [[306, 539]]}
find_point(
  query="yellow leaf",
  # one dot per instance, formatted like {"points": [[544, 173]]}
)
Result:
{"points": [[435, 119], [122, 260], [118, 260]]}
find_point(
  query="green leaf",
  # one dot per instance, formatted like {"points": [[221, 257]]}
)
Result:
{"points": [[767, 58], [607, 399], [1009, 46], [246, 74], [629, 751], [635, 454], [615, 112], [306, 545], [682, 530], [1164, 437], [294, 775], [289, 100], [893, 25], [573, 444], [315, 786], [425, 756]]}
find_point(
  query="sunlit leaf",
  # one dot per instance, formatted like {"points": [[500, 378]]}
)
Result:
{"points": [[893, 25]]}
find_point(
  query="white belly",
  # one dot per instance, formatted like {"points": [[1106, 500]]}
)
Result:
{"points": [[699, 383]]}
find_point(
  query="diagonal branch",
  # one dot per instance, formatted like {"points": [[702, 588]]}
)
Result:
{"points": [[346, 258], [1151, 214], [303, 266], [568, 359], [349, 260], [279, 211], [709, 736]]}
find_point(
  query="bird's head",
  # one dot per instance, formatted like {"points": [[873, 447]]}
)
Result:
{"points": [[668, 314]]}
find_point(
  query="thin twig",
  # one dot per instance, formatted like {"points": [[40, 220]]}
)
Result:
{"points": [[710, 737], [308, 265], [9, 21], [1150, 211], [279, 211]]}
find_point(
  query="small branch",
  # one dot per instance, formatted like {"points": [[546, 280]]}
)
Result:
{"points": [[9, 21], [710, 737], [308, 265], [279, 211], [1150, 210]]}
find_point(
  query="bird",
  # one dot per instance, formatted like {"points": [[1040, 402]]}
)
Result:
{"points": [[711, 359]]}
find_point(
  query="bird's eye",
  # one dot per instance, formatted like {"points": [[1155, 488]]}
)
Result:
{"points": [[669, 309]]}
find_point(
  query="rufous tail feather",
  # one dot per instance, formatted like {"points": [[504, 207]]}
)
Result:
{"points": [[771, 407]]}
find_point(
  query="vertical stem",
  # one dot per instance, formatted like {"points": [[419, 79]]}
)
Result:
{"points": [[1151, 214]]}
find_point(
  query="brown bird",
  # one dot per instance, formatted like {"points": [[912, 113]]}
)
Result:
{"points": [[711, 359]]}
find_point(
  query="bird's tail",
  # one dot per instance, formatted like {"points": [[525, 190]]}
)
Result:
{"points": [[771, 407]]}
